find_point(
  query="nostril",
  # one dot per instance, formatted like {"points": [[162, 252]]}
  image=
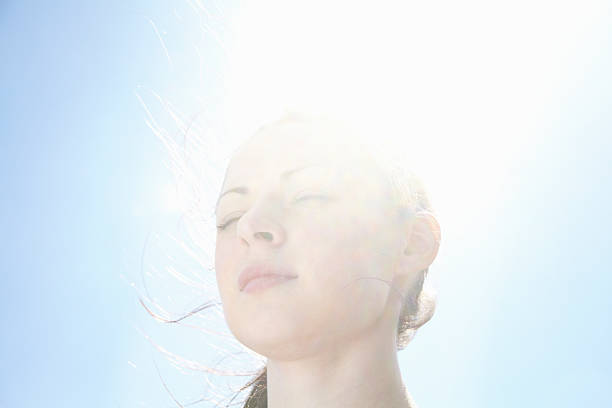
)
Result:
{"points": [[266, 235]]}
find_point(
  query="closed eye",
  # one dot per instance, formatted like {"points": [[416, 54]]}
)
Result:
{"points": [[300, 198], [228, 222]]}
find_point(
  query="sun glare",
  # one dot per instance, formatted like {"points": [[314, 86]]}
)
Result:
{"points": [[458, 89]]}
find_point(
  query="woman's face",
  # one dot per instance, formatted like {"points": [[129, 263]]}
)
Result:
{"points": [[312, 211]]}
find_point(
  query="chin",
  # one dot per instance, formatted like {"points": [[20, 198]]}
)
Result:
{"points": [[282, 339], [275, 345]]}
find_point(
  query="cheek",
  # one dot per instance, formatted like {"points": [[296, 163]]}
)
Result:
{"points": [[225, 257], [348, 247], [347, 265]]}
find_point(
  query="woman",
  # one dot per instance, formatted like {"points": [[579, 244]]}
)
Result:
{"points": [[321, 255]]}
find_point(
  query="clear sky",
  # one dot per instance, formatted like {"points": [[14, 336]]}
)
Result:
{"points": [[524, 273]]}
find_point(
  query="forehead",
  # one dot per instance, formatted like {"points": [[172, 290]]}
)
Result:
{"points": [[284, 146], [297, 141]]}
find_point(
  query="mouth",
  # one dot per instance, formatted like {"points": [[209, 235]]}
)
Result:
{"points": [[256, 278]]}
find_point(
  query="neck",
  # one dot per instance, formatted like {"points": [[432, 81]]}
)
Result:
{"points": [[362, 373]]}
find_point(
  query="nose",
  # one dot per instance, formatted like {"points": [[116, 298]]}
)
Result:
{"points": [[260, 226]]}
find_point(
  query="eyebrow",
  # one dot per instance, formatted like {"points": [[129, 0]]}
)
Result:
{"points": [[284, 176]]}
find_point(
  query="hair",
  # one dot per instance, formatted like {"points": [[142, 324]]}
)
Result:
{"points": [[410, 197]]}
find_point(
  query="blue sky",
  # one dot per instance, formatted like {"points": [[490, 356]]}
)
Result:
{"points": [[524, 290]]}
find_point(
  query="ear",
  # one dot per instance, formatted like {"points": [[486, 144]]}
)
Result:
{"points": [[422, 243]]}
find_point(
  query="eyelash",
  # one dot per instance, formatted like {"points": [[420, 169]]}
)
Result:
{"points": [[302, 198], [228, 222]]}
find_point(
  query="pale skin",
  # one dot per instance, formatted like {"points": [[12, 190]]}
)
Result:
{"points": [[330, 334]]}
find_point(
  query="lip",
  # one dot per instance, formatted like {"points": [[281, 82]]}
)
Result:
{"points": [[260, 276]]}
